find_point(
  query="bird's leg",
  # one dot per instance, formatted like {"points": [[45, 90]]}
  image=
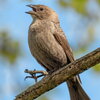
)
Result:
{"points": [[34, 72]]}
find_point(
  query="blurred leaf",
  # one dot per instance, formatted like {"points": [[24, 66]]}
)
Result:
{"points": [[98, 1], [63, 3], [9, 48], [78, 5], [91, 34], [97, 68], [80, 50]]}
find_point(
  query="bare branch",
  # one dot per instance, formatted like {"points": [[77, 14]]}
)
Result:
{"points": [[61, 75]]}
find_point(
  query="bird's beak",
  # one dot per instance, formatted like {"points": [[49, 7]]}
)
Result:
{"points": [[33, 9], [30, 12], [30, 6]]}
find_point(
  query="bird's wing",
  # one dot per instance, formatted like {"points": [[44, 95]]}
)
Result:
{"points": [[61, 39]]}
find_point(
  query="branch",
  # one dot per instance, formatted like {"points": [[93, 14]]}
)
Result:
{"points": [[61, 75]]}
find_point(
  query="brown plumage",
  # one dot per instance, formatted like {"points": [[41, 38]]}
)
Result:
{"points": [[48, 44]]}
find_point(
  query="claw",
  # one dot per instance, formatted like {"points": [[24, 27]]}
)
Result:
{"points": [[27, 77], [34, 77]]}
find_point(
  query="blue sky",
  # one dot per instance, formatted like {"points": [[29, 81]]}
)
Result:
{"points": [[14, 19]]}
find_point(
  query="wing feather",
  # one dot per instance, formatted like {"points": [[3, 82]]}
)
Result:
{"points": [[65, 45]]}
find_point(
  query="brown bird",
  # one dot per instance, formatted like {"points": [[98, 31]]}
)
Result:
{"points": [[49, 46]]}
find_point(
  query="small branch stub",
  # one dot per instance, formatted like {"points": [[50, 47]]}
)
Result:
{"points": [[34, 72]]}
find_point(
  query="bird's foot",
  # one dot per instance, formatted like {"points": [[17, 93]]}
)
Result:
{"points": [[34, 72]]}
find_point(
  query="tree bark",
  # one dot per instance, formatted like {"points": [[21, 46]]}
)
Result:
{"points": [[52, 80]]}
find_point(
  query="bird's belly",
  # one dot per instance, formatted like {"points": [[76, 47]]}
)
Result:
{"points": [[47, 51]]}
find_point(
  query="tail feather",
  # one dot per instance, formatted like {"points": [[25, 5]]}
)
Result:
{"points": [[76, 91]]}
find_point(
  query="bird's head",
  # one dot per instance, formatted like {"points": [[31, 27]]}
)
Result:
{"points": [[42, 12]]}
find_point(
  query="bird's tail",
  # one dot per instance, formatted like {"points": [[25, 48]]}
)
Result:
{"points": [[76, 90]]}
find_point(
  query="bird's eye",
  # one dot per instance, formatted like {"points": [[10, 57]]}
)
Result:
{"points": [[41, 9]]}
